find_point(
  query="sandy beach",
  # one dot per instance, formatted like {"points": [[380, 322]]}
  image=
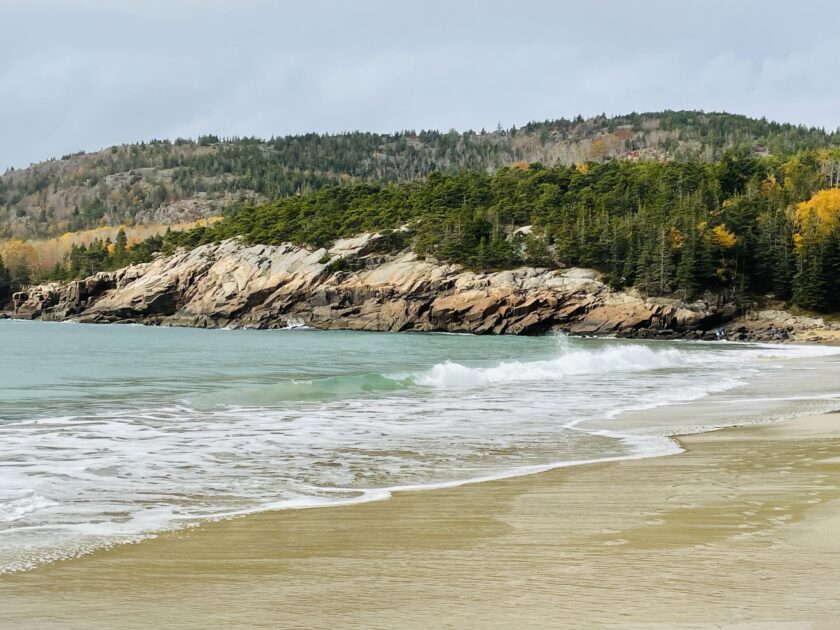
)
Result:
{"points": [[741, 530]]}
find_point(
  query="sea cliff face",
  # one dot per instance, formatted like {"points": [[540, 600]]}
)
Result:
{"points": [[355, 286]]}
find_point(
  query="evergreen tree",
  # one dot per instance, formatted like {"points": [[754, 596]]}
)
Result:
{"points": [[810, 283], [22, 275], [687, 269]]}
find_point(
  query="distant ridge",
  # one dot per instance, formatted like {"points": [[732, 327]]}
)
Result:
{"points": [[185, 180]]}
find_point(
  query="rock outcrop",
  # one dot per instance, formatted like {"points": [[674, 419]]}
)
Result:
{"points": [[354, 286]]}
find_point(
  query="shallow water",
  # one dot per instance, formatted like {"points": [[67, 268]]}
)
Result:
{"points": [[110, 433]]}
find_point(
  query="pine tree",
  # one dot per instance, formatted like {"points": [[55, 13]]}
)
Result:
{"points": [[23, 275], [686, 275], [810, 284], [784, 265], [664, 264], [120, 256], [645, 269], [831, 272]]}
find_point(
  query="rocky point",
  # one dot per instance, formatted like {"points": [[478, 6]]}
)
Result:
{"points": [[353, 285]]}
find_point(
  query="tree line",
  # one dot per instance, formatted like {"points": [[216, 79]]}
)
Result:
{"points": [[133, 182], [741, 226]]}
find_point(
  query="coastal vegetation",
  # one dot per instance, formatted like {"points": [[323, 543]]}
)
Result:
{"points": [[30, 259], [742, 226], [184, 180]]}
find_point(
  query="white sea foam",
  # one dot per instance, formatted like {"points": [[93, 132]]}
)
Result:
{"points": [[16, 507], [794, 351], [111, 457], [624, 358]]}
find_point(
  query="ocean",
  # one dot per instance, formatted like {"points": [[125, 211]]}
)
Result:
{"points": [[112, 433]]}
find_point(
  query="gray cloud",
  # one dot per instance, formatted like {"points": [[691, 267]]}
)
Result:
{"points": [[82, 74]]}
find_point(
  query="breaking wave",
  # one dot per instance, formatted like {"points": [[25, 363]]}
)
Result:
{"points": [[454, 375], [570, 362], [629, 358]]}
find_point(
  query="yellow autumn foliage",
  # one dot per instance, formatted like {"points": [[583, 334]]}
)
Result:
{"points": [[824, 207], [790, 169], [770, 187], [18, 255], [582, 168], [723, 237], [45, 253], [676, 237]]}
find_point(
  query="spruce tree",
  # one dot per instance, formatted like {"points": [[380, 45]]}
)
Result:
{"points": [[120, 246], [831, 272], [686, 274], [810, 283]]}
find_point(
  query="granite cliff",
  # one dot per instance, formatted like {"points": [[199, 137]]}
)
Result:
{"points": [[354, 286]]}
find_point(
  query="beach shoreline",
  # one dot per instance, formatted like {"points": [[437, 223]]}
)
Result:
{"points": [[743, 527]]}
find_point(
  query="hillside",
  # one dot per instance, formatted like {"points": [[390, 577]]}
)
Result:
{"points": [[738, 230], [175, 182]]}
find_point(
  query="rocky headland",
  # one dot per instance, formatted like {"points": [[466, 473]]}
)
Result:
{"points": [[356, 285]]}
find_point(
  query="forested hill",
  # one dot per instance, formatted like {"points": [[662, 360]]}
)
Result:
{"points": [[169, 182], [743, 227]]}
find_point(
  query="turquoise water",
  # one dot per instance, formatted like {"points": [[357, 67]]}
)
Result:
{"points": [[111, 433]]}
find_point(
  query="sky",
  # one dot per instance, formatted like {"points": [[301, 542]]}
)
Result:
{"points": [[86, 74]]}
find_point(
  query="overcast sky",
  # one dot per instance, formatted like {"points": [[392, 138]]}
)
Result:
{"points": [[84, 74]]}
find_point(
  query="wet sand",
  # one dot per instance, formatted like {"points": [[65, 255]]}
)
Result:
{"points": [[741, 530]]}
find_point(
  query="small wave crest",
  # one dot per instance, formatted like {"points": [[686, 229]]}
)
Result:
{"points": [[15, 508], [625, 358], [295, 322]]}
